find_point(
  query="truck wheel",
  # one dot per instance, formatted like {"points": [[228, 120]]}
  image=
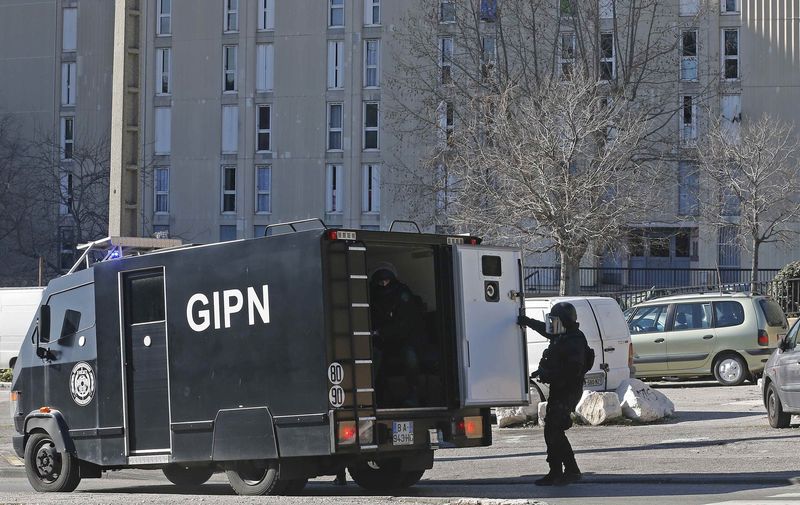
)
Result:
{"points": [[47, 469], [253, 478], [384, 475], [730, 369], [188, 476], [777, 417]]}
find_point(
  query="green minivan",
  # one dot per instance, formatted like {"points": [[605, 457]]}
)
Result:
{"points": [[727, 335]]}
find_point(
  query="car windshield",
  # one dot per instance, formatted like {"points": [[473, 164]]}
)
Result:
{"points": [[772, 312]]}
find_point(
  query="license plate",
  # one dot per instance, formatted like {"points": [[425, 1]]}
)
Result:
{"points": [[594, 380], [403, 433]]}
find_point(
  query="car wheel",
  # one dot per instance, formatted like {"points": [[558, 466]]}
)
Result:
{"points": [[730, 370], [777, 417], [188, 476], [47, 469], [253, 478]]}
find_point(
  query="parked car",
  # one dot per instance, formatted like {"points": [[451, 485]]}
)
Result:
{"points": [[780, 388], [602, 322], [17, 308], [727, 335]]}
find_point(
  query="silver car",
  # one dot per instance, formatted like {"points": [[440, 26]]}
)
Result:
{"points": [[781, 385]]}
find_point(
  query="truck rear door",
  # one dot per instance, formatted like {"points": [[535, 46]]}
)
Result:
{"points": [[493, 367]]}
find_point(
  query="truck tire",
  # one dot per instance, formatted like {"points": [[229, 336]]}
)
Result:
{"points": [[777, 417], [253, 478], [730, 369], [383, 476], [188, 476], [47, 469]]}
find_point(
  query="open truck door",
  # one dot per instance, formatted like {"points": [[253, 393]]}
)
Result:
{"points": [[493, 369]]}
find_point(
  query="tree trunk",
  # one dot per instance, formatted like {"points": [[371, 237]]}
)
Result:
{"points": [[754, 267], [570, 276]]}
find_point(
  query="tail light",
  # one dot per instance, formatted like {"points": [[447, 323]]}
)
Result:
{"points": [[471, 427], [15, 397], [346, 434], [763, 337]]}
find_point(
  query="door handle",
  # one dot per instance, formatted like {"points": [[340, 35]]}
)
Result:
{"points": [[608, 349], [658, 340], [706, 337]]}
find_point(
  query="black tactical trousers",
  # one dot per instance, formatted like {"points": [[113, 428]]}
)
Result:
{"points": [[557, 421]]}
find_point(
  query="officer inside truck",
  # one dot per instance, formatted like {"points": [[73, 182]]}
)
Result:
{"points": [[397, 324], [563, 367]]}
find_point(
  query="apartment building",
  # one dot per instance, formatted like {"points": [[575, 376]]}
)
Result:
{"points": [[255, 112]]}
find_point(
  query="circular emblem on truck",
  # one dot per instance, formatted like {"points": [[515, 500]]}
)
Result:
{"points": [[81, 383]]}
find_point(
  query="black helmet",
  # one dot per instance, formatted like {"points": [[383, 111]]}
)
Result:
{"points": [[565, 311]]}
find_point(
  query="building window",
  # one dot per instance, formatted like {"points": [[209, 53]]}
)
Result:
{"points": [[334, 192], [688, 121], [66, 192], [164, 22], [446, 114], [336, 16], [264, 129], [447, 11], [266, 15], [488, 55], [729, 5], [163, 70], [729, 253], [265, 65], [161, 186], [227, 232], [607, 59], [446, 59], [334, 127], [688, 189], [68, 83], [372, 51], [67, 137], [567, 55], [163, 131], [489, 11], [231, 15], [69, 41], [230, 129], [371, 189], [263, 190], [335, 64], [229, 68], [372, 12], [228, 189], [689, 55], [731, 108], [66, 236], [371, 126], [730, 42]]}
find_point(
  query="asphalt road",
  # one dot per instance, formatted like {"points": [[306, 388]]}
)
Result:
{"points": [[718, 449]]}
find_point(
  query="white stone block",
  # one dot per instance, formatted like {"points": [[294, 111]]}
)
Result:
{"points": [[642, 403], [542, 411], [596, 408]]}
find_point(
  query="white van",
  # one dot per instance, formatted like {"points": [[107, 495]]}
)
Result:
{"points": [[603, 323], [17, 309]]}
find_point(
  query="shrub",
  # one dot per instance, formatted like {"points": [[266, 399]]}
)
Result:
{"points": [[785, 288], [5, 375]]}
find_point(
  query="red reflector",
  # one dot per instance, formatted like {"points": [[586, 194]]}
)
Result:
{"points": [[332, 234], [347, 432], [763, 337], [469, 428], [473, 241], [460, 427]]}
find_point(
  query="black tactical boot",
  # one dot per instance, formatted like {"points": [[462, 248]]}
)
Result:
{"points": [[551, 479], [571, 472]]}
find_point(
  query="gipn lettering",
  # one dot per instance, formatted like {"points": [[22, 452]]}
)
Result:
{"points": [[200, 311]]}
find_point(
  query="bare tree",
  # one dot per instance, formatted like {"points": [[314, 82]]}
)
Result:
{"points": [[751, 170], [549, 119]]}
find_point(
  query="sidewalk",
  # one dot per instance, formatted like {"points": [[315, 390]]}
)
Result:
{"points": [[10, 464]]}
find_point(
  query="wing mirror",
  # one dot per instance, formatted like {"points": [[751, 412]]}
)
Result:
{"points": [[784, 345]]}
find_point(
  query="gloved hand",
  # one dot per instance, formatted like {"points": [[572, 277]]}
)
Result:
{"points": [[523, 320]]}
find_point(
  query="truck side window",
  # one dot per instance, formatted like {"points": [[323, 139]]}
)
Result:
{"points": [[491, 266], [70, 312]]}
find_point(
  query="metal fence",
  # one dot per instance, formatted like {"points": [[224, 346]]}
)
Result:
{"points": [[597, 280]]}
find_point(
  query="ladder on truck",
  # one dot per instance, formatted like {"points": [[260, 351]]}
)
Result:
{"points": [[352, 340]]}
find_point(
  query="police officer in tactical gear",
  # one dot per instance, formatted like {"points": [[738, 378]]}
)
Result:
{"points": [[563, 367]]}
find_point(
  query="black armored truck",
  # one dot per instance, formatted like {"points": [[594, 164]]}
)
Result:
{"points": [[266, 359]]}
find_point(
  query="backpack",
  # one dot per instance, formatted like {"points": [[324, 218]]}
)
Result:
{"points": [[588, 359]]}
